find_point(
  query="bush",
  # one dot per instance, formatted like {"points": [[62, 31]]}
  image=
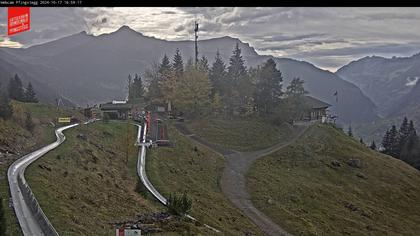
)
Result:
{"points": [[140, 188], [179, 205], [6, 109], [29, 124], [105, 118]]}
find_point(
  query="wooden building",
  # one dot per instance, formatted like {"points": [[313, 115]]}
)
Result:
{"points": [[316, 109], [117, 111]]}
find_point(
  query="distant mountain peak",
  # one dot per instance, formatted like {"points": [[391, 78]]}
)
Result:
{"points": [[126, 28]]}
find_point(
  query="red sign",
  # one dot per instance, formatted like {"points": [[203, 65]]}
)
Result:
{"points": [[148, 121], [18, 20]]}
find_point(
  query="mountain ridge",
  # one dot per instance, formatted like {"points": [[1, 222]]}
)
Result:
{"points": [[91, 69]]}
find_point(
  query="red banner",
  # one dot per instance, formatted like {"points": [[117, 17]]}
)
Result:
{"points": [[18, 20]]}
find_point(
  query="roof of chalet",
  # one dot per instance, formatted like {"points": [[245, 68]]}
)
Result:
{"points": [[110, 106], [315, 103]]}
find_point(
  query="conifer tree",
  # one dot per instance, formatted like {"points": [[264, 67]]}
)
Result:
{"points": [[391, 143], [137, 88], [373, 145], [203, 64], [236, 69], [6, 109], [350, 131], [30, 95], [165, 65], [217, 75], [178, 64], [269, 87], [16, 89]]}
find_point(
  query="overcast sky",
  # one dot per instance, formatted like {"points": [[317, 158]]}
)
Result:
{"points": [[326, 37]]}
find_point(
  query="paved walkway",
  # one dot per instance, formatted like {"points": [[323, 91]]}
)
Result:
{"points": [[233, 181]]}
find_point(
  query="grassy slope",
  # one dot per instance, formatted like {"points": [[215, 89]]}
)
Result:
{"points": [[179, 169], [15, 137], [89, 185], [241, 135], [299, 191]]}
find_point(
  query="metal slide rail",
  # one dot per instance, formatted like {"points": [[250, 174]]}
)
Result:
{"points": [[32, 219], [141, 172]]}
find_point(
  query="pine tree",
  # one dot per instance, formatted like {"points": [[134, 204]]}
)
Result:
{"points": [[391, 142], [411, 129], [165, 66], [30, 95], [6, 110], [16, 89], [137, 89], [361, 141], [236, 69], [386, 143], [239, 89], [269, 87], [373, 145], [203, 64], [350, 131], [410, 151], [178, 64], [157, 75], [217, 75]]}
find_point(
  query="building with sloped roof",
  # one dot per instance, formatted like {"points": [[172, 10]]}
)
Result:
{"points": [[117, 111], [316, 109]]}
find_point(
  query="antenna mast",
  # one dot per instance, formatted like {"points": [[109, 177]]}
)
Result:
{"points": [[196, 37]]}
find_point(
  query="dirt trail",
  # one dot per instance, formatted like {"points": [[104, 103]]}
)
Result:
{"points": [[233, 181]]}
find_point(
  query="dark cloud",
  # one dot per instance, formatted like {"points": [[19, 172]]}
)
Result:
{"points": [[327, 37]]}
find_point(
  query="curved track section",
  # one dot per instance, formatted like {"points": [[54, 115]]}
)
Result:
{"points": [[32, 219], [141, 172]]}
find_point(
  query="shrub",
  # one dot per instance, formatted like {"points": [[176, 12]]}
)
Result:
{"points": [[179, 205]]}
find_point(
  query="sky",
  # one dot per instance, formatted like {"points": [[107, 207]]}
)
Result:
{"points": [[326, 37]]}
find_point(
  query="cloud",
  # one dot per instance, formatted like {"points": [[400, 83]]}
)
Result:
{"points": [[327, 37]]}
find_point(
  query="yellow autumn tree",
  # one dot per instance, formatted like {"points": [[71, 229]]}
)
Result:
{"points": [[192, 92]]}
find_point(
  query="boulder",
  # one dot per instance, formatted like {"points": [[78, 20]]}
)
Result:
{"points": [[335, 163], [82, 136], [355, 163], [360, 175]]}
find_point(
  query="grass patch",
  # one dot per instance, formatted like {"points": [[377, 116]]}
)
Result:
{"points": [[196, 171], [240, 135], [85, 185], [300, 189]]}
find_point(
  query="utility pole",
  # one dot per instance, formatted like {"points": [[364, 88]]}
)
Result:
{"points": [[129, 87], [196, 37], [127, 140]]}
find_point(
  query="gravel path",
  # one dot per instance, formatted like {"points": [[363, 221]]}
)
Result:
{"points": [[233, 181]]}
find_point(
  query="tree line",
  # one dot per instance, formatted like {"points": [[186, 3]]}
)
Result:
{"points": [[221, 89], [403, 143], [15, 91]]}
